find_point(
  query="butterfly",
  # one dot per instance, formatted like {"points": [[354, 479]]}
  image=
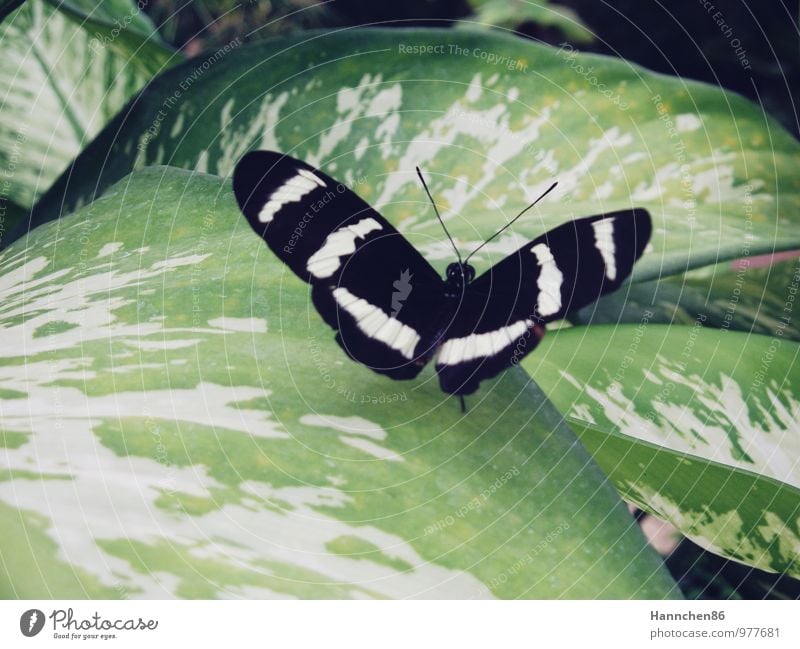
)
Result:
{"points": [[392, 311]]}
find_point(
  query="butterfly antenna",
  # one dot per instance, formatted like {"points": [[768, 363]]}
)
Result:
{"points": [[427, 191], [507, 225]]}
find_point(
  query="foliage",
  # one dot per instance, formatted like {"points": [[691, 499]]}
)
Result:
{"points": [[696, 425], [67, 68], [181, 383], [516, 14], [192, 390]]}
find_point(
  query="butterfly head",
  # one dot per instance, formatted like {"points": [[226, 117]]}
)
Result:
{"points": [[459, 275]]}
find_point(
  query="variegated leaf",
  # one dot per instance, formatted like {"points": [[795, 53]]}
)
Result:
{"points": [[697, 425], [67, 68], [179, 422], [492, 120]]}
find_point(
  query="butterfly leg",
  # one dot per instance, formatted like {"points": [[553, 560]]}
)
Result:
{"points": [[463, 405]]}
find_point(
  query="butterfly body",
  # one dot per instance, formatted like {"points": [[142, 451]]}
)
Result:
{"points": [[457, 277], [392, 311]]}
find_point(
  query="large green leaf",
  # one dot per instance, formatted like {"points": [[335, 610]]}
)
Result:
{"points": [[752, 295], [698, 426], [63, 75], [179, 421], [490, 134]]}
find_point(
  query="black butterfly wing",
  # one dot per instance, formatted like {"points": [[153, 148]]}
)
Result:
{"points": [[368, 282], [485, 337], [502, 314], [385, 304]]}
